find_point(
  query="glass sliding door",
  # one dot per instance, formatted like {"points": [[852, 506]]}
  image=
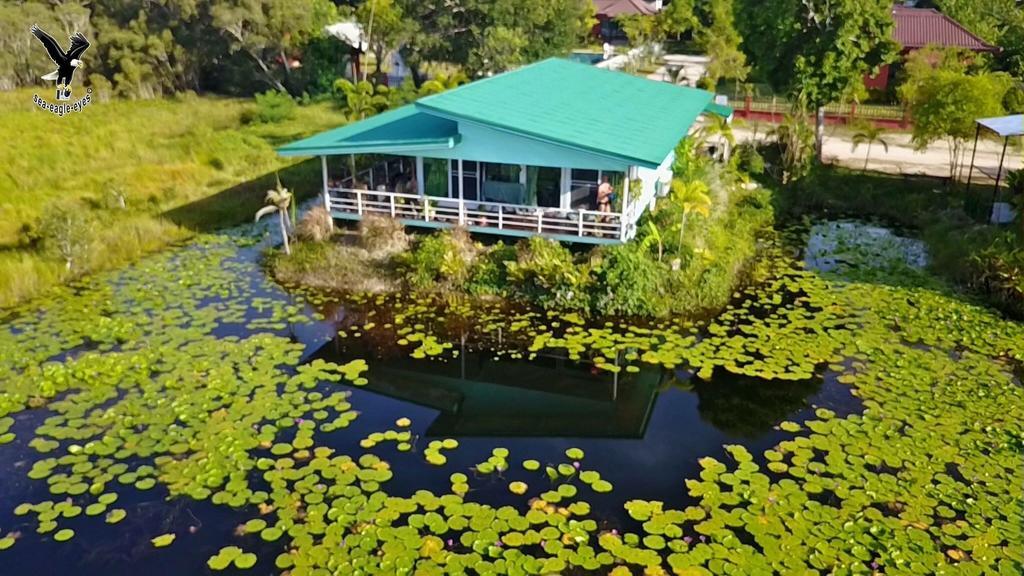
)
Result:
{"points": [[503, 183], [544, 184], [435, 177], [470, 179]]}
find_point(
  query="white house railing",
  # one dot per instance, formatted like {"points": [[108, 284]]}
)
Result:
{"points": [[477, 214]]}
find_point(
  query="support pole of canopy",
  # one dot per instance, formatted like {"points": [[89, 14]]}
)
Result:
{"points": [[327, 194], [462, 183], [999, 174], [970, 173]]}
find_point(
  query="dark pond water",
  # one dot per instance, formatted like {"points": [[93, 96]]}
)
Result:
{"points": [[643, 431]]}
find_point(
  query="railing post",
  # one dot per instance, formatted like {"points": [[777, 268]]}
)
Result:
{"points": [[462, 212], [540, 223], [327, 193], [392, 196], [501, 217], [581, 222], [359, 202], [426, 208]]}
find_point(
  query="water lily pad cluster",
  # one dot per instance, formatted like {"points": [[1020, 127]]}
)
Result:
{"points": [[179, 376]]}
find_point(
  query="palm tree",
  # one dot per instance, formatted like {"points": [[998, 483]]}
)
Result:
{"points": [[278, 200], [868, 133], [693, 198]]}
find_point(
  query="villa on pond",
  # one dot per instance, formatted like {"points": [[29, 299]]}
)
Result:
{"points": [[523, 153]]}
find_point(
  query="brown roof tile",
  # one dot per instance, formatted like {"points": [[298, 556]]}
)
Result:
{"points": [[920, 27], [613, 8]]}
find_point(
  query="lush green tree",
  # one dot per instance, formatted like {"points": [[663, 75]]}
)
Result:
{"points": [[946, 103], [818, 50], [640, 29], [267, 31], [502, 48], [676, 19], [385, 25], [456, 31], [719, 39]]}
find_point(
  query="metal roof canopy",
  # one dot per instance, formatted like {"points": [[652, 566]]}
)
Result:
{"points": [[576, 106], [1006, 127]]}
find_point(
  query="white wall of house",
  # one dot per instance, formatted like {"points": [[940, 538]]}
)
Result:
{"points": [[650, 179]]}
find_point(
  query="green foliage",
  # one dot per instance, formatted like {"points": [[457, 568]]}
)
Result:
{"points": [[271, 107], [468, 33], [65, 230], [870, 134], [792, 148], [386, 26], [440, 261], [945, 105], [628, 282], [489, 276], [720, 40], [545, 273], [172, 177], [998, 272], [749, 159]]}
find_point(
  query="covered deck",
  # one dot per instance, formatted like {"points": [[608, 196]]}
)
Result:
{"points": [[490, 198], [520, 154]]}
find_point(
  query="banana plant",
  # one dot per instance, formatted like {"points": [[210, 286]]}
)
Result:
{"points": [[278, 200], [653, 238]]}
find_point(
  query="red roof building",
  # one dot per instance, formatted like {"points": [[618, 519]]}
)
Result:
{"points": [[608, 10], [919, 27], [613, 8]]}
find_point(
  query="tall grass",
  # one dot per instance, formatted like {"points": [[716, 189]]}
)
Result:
{"points": [[180, 165]]}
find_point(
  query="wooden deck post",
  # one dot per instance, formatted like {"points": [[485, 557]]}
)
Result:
{"points": [[421, 186], [462, 183], [327, 194], [623, 218]]}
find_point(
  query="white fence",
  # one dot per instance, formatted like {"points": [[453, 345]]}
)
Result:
{"points": [[500, 218]]}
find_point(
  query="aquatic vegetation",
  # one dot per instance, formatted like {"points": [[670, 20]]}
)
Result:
{"points": [[175, 376]]}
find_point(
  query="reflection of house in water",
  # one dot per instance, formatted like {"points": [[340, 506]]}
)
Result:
{"points": [[479, 395]]}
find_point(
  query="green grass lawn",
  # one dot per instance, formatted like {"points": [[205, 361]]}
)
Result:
{"points": [[181, 165]]}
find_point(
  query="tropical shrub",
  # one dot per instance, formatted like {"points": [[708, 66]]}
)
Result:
{"points": [[749, 159], [628, 282], [442, 260], [65, 230], [545, 274], [998, 272], [489, 276], [271, 107]]}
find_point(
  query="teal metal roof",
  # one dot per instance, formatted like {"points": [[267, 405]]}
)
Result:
{"points": [[610, 114], [581, 106], [404, 129], [719, 109]]}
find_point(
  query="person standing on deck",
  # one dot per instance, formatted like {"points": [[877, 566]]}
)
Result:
{"points": [[604, 195]]}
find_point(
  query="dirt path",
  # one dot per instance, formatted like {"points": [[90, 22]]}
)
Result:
{"points": [[903, 158]]}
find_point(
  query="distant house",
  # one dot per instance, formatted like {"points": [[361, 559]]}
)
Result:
{"points": [[917, 28], [518, 154], [607, 10]]}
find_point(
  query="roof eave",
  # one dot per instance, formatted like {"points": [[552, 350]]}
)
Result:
{"points": [[372, 147]]}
